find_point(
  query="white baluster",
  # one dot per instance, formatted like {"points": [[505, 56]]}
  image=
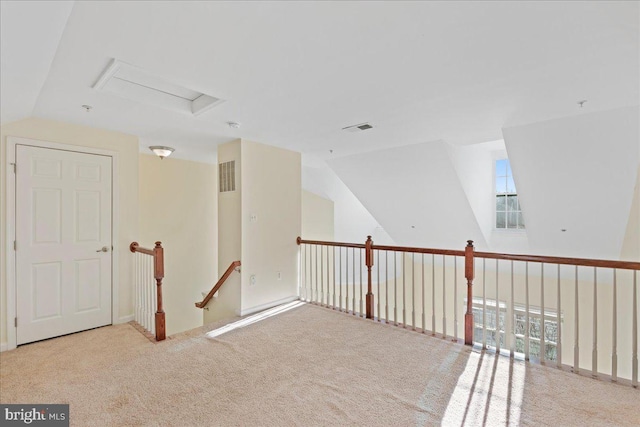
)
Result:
{"points": [[526, 313], [433, 294], [413, 291], [594, 350], [497, 331], [455, 298], [444, 296], [614, 335], [576, 345], [559, 321]]}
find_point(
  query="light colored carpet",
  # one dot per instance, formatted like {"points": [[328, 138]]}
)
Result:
{"points": [[308, 366]]}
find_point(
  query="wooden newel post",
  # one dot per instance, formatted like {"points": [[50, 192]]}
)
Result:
{"points": [[369, 262], [158, 271], [468, 273]]}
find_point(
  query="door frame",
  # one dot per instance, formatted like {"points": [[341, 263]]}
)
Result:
{"points": [[10, 235]]}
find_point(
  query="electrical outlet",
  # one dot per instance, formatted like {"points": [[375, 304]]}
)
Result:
{"points": [[253, 218], [252, 280]]}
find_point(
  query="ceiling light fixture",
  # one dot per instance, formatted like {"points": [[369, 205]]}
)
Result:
{"points": [[234, 125], [581, 103], [161, 151], [87, 107]]}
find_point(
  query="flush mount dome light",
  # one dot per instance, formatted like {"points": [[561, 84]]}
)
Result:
{"points": [[139, 85], [161, 151]]}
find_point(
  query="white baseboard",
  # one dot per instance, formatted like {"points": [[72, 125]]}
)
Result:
{"points": [[4, 347], [125, 319], [267, 306]]}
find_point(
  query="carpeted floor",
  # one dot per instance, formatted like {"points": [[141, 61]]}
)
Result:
{"points": [[307, 366]]}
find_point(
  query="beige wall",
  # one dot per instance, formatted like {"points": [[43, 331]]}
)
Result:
{"points": [[317, 217], [227, 302], [127, 148], [271, 193], [178, 206]]}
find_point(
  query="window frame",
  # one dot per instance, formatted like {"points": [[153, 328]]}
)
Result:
{"points": [[550, 316], [506, 211]]}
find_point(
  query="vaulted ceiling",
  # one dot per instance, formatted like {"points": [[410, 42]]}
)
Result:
{"points": [[432, 78], [295, 73]]}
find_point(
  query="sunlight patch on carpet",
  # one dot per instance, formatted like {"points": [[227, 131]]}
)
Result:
{"points": [[254, 318], [488, 392]]}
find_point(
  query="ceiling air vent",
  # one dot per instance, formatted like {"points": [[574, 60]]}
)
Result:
{"points": [[358, 128], [227, 176], [136, 84]]}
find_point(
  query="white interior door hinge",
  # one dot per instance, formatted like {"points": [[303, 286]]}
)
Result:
{"points": [[14, 167]]}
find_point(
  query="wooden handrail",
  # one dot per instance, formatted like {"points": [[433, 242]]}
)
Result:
{"points": [[135, 247], [625, 265], [219, 284], [452, 252], [158, 273], [324, 243]]}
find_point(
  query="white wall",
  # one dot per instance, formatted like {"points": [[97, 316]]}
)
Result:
{"points": [[577, 173], [413, 186], [631, 244], [127, 148], [317, 217], [178, 206], [473, 165], [352, 221]]}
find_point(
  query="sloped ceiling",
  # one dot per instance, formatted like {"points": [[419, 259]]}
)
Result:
{"points": [[577, 174], [295, 73], [352, 221], [414, 193], [29, 35]]}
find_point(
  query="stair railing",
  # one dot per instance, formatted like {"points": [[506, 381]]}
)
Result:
{"points": [[533, 306], [234, 266], [148, 265]]}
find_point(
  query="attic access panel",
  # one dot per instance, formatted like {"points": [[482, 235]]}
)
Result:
{"points": [[133, 83]]}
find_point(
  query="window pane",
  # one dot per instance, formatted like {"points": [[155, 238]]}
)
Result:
{"points": [[512, 203], [534, 329], [501, 167], [501, 184], [511, 186], [500, 220], [551, 331], [500, 203], [508, 167], [534, 348], [520, 220], [512, 219]]}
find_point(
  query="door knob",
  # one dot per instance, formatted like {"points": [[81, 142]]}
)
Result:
{"points": [[104, 249]]}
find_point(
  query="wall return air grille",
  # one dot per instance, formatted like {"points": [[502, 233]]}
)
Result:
{"points": [[133, 83], [227, 176]]}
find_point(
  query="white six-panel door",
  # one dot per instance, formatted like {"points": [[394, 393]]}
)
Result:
{"points": [[63, 239]]}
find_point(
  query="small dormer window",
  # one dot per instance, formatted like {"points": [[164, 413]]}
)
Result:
{"points": [[508, 210]]}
